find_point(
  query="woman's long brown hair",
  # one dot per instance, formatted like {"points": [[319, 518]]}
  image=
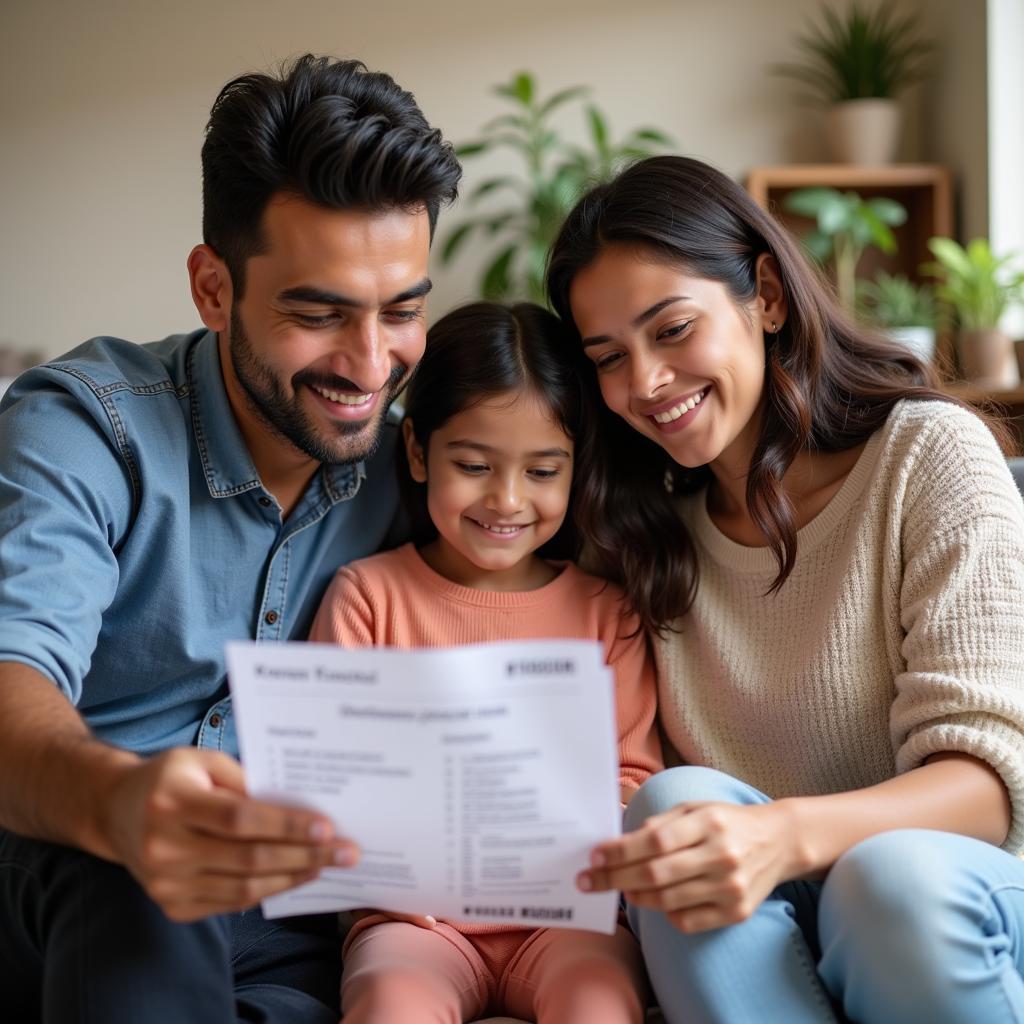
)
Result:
{"points": [[829, 382]]}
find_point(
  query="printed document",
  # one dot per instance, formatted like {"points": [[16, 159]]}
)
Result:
{"points": [[475, 780]]}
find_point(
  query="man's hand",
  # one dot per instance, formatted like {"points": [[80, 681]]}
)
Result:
{"points": [[182, 823]]}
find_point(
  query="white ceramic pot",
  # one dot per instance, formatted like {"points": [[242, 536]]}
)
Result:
{"points": [[920, 340], [865, 132]]}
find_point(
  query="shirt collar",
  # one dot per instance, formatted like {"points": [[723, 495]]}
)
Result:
{"points": [[227, 464]]}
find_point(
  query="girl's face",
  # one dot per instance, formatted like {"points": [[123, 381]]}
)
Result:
{"points": [[676, 357], [498, 478]]}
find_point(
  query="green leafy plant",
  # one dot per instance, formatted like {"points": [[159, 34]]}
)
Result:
{"points": [[538, 200], [976, 283], [896, 301], [859, 54], [846, 224]]}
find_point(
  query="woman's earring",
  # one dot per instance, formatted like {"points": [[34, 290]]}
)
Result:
{"points": [[775, 327]]}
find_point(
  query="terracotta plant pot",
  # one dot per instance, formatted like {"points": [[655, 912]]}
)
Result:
{"points": [[987, 359], [865, 132]]}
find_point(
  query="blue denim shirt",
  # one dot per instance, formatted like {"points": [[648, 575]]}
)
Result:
{"points": [[136, 537]]}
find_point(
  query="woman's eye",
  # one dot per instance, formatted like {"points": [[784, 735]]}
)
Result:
{"points": [[544, 474], [474, 468], [675, 331]]}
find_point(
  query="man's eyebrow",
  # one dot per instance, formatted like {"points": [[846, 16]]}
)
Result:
{"points": [[323, 297], [486, 449], [644, 317]]}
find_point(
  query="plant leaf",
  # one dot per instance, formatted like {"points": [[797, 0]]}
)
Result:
{"points": [[490, 185], [496, 282], [454, 241], [520, 89], [507, 121], [808, 202], [561, 97], [653, 135], [598, 128], [888, 210], [472, 148]]}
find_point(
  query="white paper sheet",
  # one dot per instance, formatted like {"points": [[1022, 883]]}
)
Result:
{"points": [[475, 779]]}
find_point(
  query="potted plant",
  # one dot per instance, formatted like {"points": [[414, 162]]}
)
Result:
{"points": [[555, 173], [855, 64], [978, 286], [905, 311], [846, 224]]}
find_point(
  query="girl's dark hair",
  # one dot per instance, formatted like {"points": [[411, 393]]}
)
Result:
{"points": [[326, 130], [829, 383], [487, 349]]}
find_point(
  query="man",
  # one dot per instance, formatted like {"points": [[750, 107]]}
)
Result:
{"points": [[157, 501]]}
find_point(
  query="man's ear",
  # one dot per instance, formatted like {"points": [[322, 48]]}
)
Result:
{"points": [[771, 294], [211, 287], [414, 453]]}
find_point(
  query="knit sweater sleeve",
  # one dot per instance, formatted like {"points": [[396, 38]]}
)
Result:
{"points": [[346, 615], [962, 606]]}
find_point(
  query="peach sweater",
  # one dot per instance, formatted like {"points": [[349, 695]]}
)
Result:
{"points": [[395, 599]]}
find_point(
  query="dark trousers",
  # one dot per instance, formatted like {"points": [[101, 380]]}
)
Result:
{"points": [[81, 942]]}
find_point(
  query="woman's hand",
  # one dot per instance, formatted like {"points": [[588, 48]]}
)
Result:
{"points": [[704, 864]]}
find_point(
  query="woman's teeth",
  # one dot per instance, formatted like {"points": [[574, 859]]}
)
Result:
{"points": [[678, 410]]}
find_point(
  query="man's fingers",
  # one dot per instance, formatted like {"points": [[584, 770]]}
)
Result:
{"points": [[187, 855], [222, 894], [221, 812], [224, 770], [241, 893]]}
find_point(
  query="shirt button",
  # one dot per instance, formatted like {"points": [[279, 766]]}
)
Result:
{"points": [[265, 501], [214, 721], [270, 618]]}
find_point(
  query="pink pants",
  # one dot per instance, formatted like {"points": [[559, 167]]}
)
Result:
{"points": [[397, 973]]}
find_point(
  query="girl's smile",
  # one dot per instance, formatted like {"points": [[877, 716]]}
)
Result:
{"points": [[498, 478]]}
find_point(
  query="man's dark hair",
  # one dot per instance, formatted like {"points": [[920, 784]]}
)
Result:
{"points": [[326, 130]]}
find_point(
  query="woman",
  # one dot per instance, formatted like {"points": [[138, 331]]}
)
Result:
{"points": [[837, 589]]}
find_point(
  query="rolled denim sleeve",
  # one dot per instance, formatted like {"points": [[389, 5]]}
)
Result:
{"points": [[66, 504]]}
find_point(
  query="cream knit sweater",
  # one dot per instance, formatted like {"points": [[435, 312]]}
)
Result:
{"points": [[900, 632]]}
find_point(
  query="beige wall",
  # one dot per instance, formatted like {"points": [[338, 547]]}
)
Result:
{"points": [[955, 122], [103, 105]]}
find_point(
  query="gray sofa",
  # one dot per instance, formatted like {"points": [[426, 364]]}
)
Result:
{"points": [[1017, 469]]}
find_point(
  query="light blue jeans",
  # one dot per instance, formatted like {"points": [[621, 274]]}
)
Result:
{"points": [[910, 926]]}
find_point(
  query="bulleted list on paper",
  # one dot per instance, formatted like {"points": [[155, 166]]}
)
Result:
{"points": [[475, 780]]}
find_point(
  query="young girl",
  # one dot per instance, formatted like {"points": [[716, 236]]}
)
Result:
{"points": [[842, 560], [496, 425]]}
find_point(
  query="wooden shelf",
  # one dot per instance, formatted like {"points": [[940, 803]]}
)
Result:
{"points": [[975, 395], [762, 181], [925, 190]]}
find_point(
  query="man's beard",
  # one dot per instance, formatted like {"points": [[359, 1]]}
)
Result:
{"points": [[337, 442]]}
